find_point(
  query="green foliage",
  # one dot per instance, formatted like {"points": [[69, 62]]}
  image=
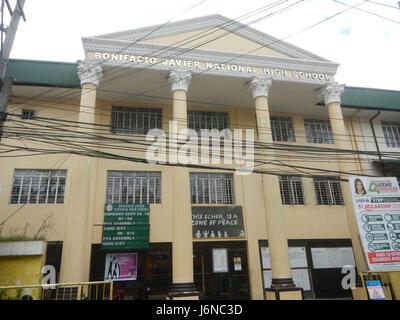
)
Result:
{"points": [[5, 296]]}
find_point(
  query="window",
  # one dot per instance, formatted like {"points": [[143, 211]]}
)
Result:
{"points": [[209, 188], [133, 187], [135, 120], [318, 131], [328, 191], [28, 114], [198, 120], [391, 132], [282, 129], [38, 186], [291, 190]]}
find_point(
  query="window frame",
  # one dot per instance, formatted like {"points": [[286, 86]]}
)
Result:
{"points": [[138, 115], [42, 186], [318, 131], [329, 185], [134, 193], [391, 133], [294, 188], [285, 124], [226, 192]]}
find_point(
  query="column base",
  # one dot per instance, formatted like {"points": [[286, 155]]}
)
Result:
{"points": [[183, 291], [283, 289]]}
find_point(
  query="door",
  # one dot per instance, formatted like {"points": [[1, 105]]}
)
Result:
{"points": [[221, 271]]}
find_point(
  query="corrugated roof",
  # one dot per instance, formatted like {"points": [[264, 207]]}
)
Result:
{"points": [[43, 73], [371, 98]]}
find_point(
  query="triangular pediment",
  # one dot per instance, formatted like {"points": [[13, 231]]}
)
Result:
{"points": [[214, 33]]}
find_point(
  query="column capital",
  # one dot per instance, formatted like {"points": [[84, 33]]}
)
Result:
{"points": [[331, 92], [89, 72], [259, 86], [179, 80]]}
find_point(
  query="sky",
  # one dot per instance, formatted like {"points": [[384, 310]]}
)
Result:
{"points": [[366, 46]]}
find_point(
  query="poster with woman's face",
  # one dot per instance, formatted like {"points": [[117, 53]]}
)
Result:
{"points": [[121, 267], [358, 186]]}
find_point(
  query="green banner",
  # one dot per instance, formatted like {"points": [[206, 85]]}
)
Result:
{"points": [[126, 226]]}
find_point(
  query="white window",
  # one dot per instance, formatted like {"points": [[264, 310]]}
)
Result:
{"points": [[38, 186], [282, 129], [126, 120], [133, 187], [318, 131], [291, 190], [198, 120], [210, 188], [391, 132], [328, 191]]}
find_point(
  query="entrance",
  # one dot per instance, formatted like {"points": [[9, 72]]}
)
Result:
{"points": [[221, 271]]}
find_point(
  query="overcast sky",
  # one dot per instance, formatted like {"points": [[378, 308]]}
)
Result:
{"points": [[367, 47]]}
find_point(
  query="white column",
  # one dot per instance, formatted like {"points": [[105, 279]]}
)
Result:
{"points": [[182, 246], [76, 246], [277, 240], [331, 94]]}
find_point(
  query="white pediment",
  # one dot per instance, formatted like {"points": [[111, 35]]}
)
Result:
{"points": [[214, 33]]}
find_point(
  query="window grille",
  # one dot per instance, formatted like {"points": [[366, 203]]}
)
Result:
{"points": [[38, 186], [198, 120], [126, 120], [133, 187], [210, 188], [328, 191], [282, 129], [318, 131], [291, 190], [28, 114], [391, 132]]}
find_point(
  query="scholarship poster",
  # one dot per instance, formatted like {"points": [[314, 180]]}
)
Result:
{"points": [[377, 208], [121, 267]]}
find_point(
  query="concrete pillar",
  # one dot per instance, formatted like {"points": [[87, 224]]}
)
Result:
{"points": [[282, 282], [331, 93], [76, 246], [182, 246]]}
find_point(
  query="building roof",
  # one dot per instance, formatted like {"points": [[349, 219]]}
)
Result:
{"points": [[369, 98], [64, 74], [43, 73]]}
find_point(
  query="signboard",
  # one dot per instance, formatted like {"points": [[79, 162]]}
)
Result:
{"points": [[375, 290], [377, 208], [121, 267], [126, 226], [329, 258], [220, 260], [297, 256], [217, 222]]}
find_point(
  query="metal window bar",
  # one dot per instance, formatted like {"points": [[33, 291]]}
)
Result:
{"points": [[130, 120], [282, 129], [133, 187], [391, 132], [318, 131], [211, 188], [328, 192], [291, 190]]}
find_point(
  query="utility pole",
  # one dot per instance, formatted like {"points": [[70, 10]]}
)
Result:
{"points": [[6, 46]]}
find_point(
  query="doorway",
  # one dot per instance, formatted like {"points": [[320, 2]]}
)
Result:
{"points": [[221, 270]]}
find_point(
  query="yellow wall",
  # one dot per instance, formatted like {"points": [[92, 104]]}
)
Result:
{"points": [[27, 270]]}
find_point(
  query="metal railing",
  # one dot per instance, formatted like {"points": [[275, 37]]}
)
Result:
{"points": [[100, 290]]}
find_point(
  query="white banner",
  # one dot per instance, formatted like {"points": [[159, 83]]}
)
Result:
{"points": [[377, 209]]}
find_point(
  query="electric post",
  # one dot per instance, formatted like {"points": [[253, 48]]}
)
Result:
{"points": [[6, 46]]}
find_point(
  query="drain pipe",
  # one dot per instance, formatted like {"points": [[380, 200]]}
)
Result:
{"points": [[376, 142]]}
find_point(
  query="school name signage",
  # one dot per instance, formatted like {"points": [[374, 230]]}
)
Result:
{"points": [[143, 61], [126, 226]]}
